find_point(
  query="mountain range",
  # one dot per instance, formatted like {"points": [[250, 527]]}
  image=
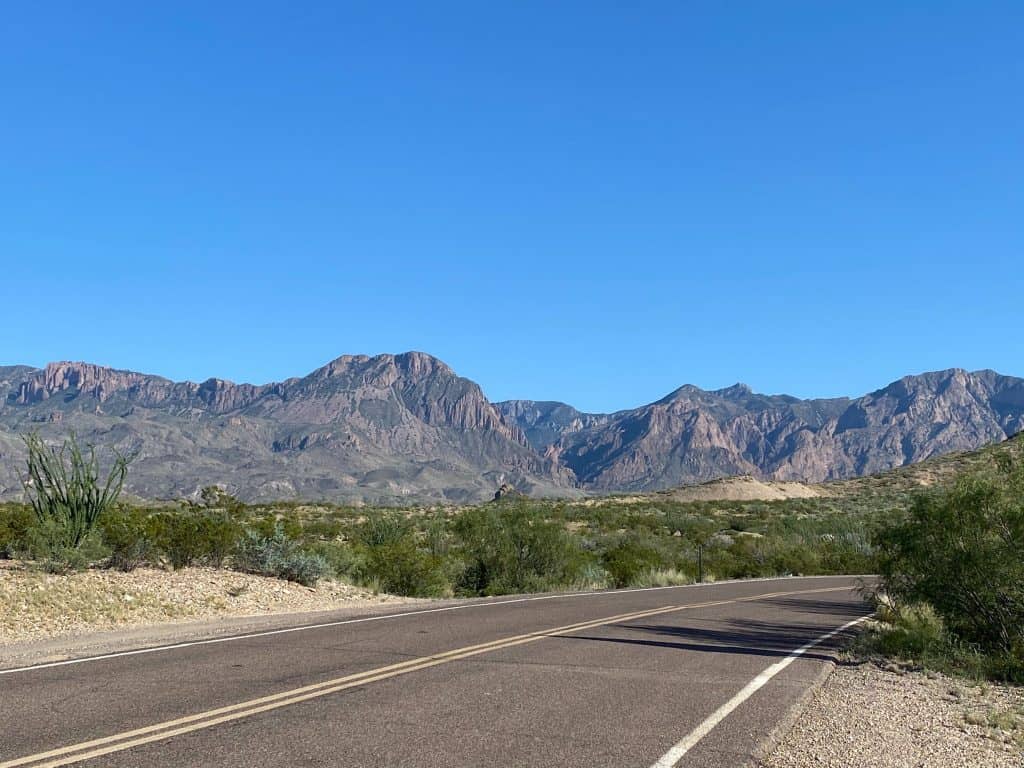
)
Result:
{"points": [[407, 429]]}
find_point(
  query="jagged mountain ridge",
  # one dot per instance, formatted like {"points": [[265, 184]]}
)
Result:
{"points": [[380, 429], [693, 435], [406, 428]]}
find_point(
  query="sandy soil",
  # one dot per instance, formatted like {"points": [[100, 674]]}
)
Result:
{"points": [[36, 606]]}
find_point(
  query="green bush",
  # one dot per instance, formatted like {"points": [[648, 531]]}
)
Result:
{"points": [[129, 536], [302, 567], [631, 561], [402, 568], [191, 538], [509, 549], [390, 558], [959, 551], [45, 543], [277, 555], [15, 522], [343, 560]]}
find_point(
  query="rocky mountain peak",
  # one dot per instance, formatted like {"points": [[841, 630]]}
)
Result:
{"points": [[94, 380], [394, 426]]}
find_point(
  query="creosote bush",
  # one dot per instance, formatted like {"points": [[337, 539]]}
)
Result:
{"points": [[510, 548], [15, 522], [129, 535], [193, 538]]}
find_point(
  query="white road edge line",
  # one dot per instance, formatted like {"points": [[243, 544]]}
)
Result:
{"points": [[674, 755], [382, 617]]}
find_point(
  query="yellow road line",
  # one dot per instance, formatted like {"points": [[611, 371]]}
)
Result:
{"points": [[118, 742]]}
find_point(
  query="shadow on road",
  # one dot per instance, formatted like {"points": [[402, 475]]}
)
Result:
{"points": [[822, 607], [743, 637]]}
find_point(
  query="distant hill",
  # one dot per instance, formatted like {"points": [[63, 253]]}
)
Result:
{"points": [[407, 429], [890, 485]]}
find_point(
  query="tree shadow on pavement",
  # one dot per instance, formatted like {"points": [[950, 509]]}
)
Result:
{"points": [[747, 638], [847, 610]]}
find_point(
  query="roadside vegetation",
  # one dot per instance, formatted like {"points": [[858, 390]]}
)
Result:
{"points": [[951, 590], [950, 595], [511, 546]]}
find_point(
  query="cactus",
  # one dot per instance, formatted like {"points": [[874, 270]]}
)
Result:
{"points": [[63, 486]]}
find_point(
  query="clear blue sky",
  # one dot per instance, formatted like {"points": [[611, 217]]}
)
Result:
{"points": [[588, 201]]}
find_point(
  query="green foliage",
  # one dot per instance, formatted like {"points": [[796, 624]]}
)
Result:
{"points": [[392, 560], [343, 561], [129, 535], [190, 538], [958, 551], [15, 522], [402, 568], [66, 493], [215, 497], [277, 555], [917, 635], [514, 549], [44, 544], [632, 560]]}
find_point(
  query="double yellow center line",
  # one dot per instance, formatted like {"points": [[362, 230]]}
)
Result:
{"points": [[118, 742]]}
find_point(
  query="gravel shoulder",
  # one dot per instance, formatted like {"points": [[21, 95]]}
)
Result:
{"points": [[873, 717], [36, 606]]}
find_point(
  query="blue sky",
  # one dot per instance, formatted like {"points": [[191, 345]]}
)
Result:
{"points": [[587, 201]]}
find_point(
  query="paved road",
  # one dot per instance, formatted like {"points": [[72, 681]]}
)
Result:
{"points": [[609, 679]]}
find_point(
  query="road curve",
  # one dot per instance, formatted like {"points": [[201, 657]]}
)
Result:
{"points": [[688, 676]]}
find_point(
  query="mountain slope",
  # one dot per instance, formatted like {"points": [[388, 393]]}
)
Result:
{"points": [[406, 428], [379, 428], [693, 435]]}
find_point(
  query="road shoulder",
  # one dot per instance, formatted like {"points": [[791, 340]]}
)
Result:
{"points": [[863, 714]]}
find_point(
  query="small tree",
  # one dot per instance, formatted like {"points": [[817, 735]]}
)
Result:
{"points": [[64, 488], [959, 550]]}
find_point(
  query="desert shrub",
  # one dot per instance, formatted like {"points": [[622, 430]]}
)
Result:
{"points": [[343, 560], [382, 530], [391, 558], [279, 556], [215, 497], [190, 538], [691, 527], [15, 522], [67, 495], [664, 577], [510, 549], [402, 568], [129, 536], [916, 634], [959, 551], [631, 561], [302, 567], [45, 543]]}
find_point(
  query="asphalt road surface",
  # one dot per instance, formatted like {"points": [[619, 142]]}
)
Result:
{"points": [[688, 676]]}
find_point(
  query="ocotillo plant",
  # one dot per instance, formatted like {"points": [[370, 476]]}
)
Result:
{"points": [[64, 487]]}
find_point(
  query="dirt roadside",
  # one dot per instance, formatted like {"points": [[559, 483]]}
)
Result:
{"points": [[868, 716]]}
